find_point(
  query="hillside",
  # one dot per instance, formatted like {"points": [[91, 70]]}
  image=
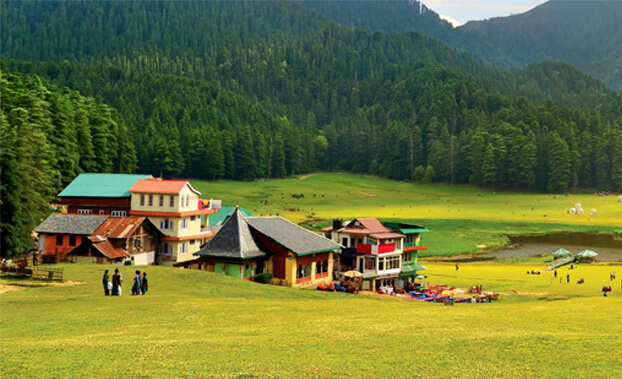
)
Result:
{"points": [[586, 34], [195, 323]]}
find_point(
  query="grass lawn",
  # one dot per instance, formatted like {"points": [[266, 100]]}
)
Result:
{"points": [[459, 217], [194, 323]]}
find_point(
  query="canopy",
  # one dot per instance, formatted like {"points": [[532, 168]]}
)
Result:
{"points": [[353, 274], [561, 252], [587, 253]]}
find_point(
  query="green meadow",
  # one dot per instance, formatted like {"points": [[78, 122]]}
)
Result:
{"points": [[199, 324], [459, 217]]}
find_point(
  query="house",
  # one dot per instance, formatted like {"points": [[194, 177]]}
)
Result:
{"points": [[386, 254], [245, 246], [97, 239], [175, 208], [233, 251], [100, 194]]}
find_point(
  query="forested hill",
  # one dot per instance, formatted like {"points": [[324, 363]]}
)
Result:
{"points": [[48, 137], [586, 34], [403, 16]]}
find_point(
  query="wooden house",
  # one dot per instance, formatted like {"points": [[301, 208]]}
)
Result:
{"points": [[246, 246], [97, 239], [100, 194]]}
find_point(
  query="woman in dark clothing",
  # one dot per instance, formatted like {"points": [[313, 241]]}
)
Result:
{"points": [[116, 283], [105, 281], [144, 285], [136, 286]]}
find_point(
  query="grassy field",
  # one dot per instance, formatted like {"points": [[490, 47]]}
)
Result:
{"points": [[198, 324], [459, 217], [330, 195]]}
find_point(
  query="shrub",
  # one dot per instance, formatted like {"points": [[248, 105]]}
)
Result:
{"points": [[265, 278]]}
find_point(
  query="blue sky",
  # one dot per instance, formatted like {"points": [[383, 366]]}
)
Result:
{"points": [[467, 10]]}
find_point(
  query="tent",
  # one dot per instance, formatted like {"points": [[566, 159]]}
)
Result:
{"points": [[561, 253]]}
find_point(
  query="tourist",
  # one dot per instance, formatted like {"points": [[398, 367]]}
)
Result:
{"points": [[137, 284], [35, 260], [145, 284], [116, 283], [106, 283], [555, 273], [457, 267], [568, 278]]}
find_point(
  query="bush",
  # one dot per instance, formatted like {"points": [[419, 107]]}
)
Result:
{"points": [[265, 278]]}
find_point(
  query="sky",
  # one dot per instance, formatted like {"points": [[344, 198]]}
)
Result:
{"points": [[462, 11]]}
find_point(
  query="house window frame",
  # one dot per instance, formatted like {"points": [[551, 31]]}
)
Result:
{"points": [[171, 202], [161, 201], [150, 200], [142, 199], [60, 237]]}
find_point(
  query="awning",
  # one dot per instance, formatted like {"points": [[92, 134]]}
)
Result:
{"points": [[409, 269], [414, 248]]}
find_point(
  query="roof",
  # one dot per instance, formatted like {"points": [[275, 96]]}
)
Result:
{"points": [[223, 214], [59, 223], [386, 235], [406, 228], [119, 227], [296, 239], [233, 241], [101, 185], [161, 186], [106, 248], [370, 226]]}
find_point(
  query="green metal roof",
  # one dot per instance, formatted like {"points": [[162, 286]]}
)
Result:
{"points": [[220, 217], [411, 268], [412, 230], [101, 185]]}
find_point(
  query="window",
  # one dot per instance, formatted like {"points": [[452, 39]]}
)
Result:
{"points": [[137, 243], [171, 201], [369, 264], [72, 240], [166, 224], [318, 267], [184, 224], [101, 211], [308, 269], [118, 213], [325, 265], [165, 249], [192, 242], [85, 211], [161, 202], [406, 257], [187, 200], [380, 264], [142, 200], [182, 198], [192, 218], [59, 240], [183, 249], [151, 200], [392, 263], [344, 241]]}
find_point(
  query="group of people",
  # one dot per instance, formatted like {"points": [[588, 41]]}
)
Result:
{"points": [[141, 283]]}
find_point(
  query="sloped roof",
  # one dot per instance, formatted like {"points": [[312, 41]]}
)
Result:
{"points": [[233, 241], [291, 236], [106, 248], [220, 217], [119, 227], [58, 223], [101, 185], [161, 186]]}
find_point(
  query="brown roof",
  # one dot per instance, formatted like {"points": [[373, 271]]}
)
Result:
{"points": [[119, 227], [106, 248], [365, 226], [161, 186], [386, 235]]}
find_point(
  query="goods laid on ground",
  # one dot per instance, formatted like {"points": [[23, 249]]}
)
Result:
{"points": [[443, 294]]}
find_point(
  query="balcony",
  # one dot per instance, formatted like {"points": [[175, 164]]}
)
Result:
{"points": [[364, 248], [411, 244]]}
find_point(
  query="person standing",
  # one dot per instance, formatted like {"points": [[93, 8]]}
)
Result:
{"points": [[137, 284], [116, 283], [145, 284], [457, 267], [568, 278], [555, 274], [106, 282]]}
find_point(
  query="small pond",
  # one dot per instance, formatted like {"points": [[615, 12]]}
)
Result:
{"points": [[608, 246]]}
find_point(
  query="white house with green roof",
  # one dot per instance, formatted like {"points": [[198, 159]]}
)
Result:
{"points": [[100, 194]]}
